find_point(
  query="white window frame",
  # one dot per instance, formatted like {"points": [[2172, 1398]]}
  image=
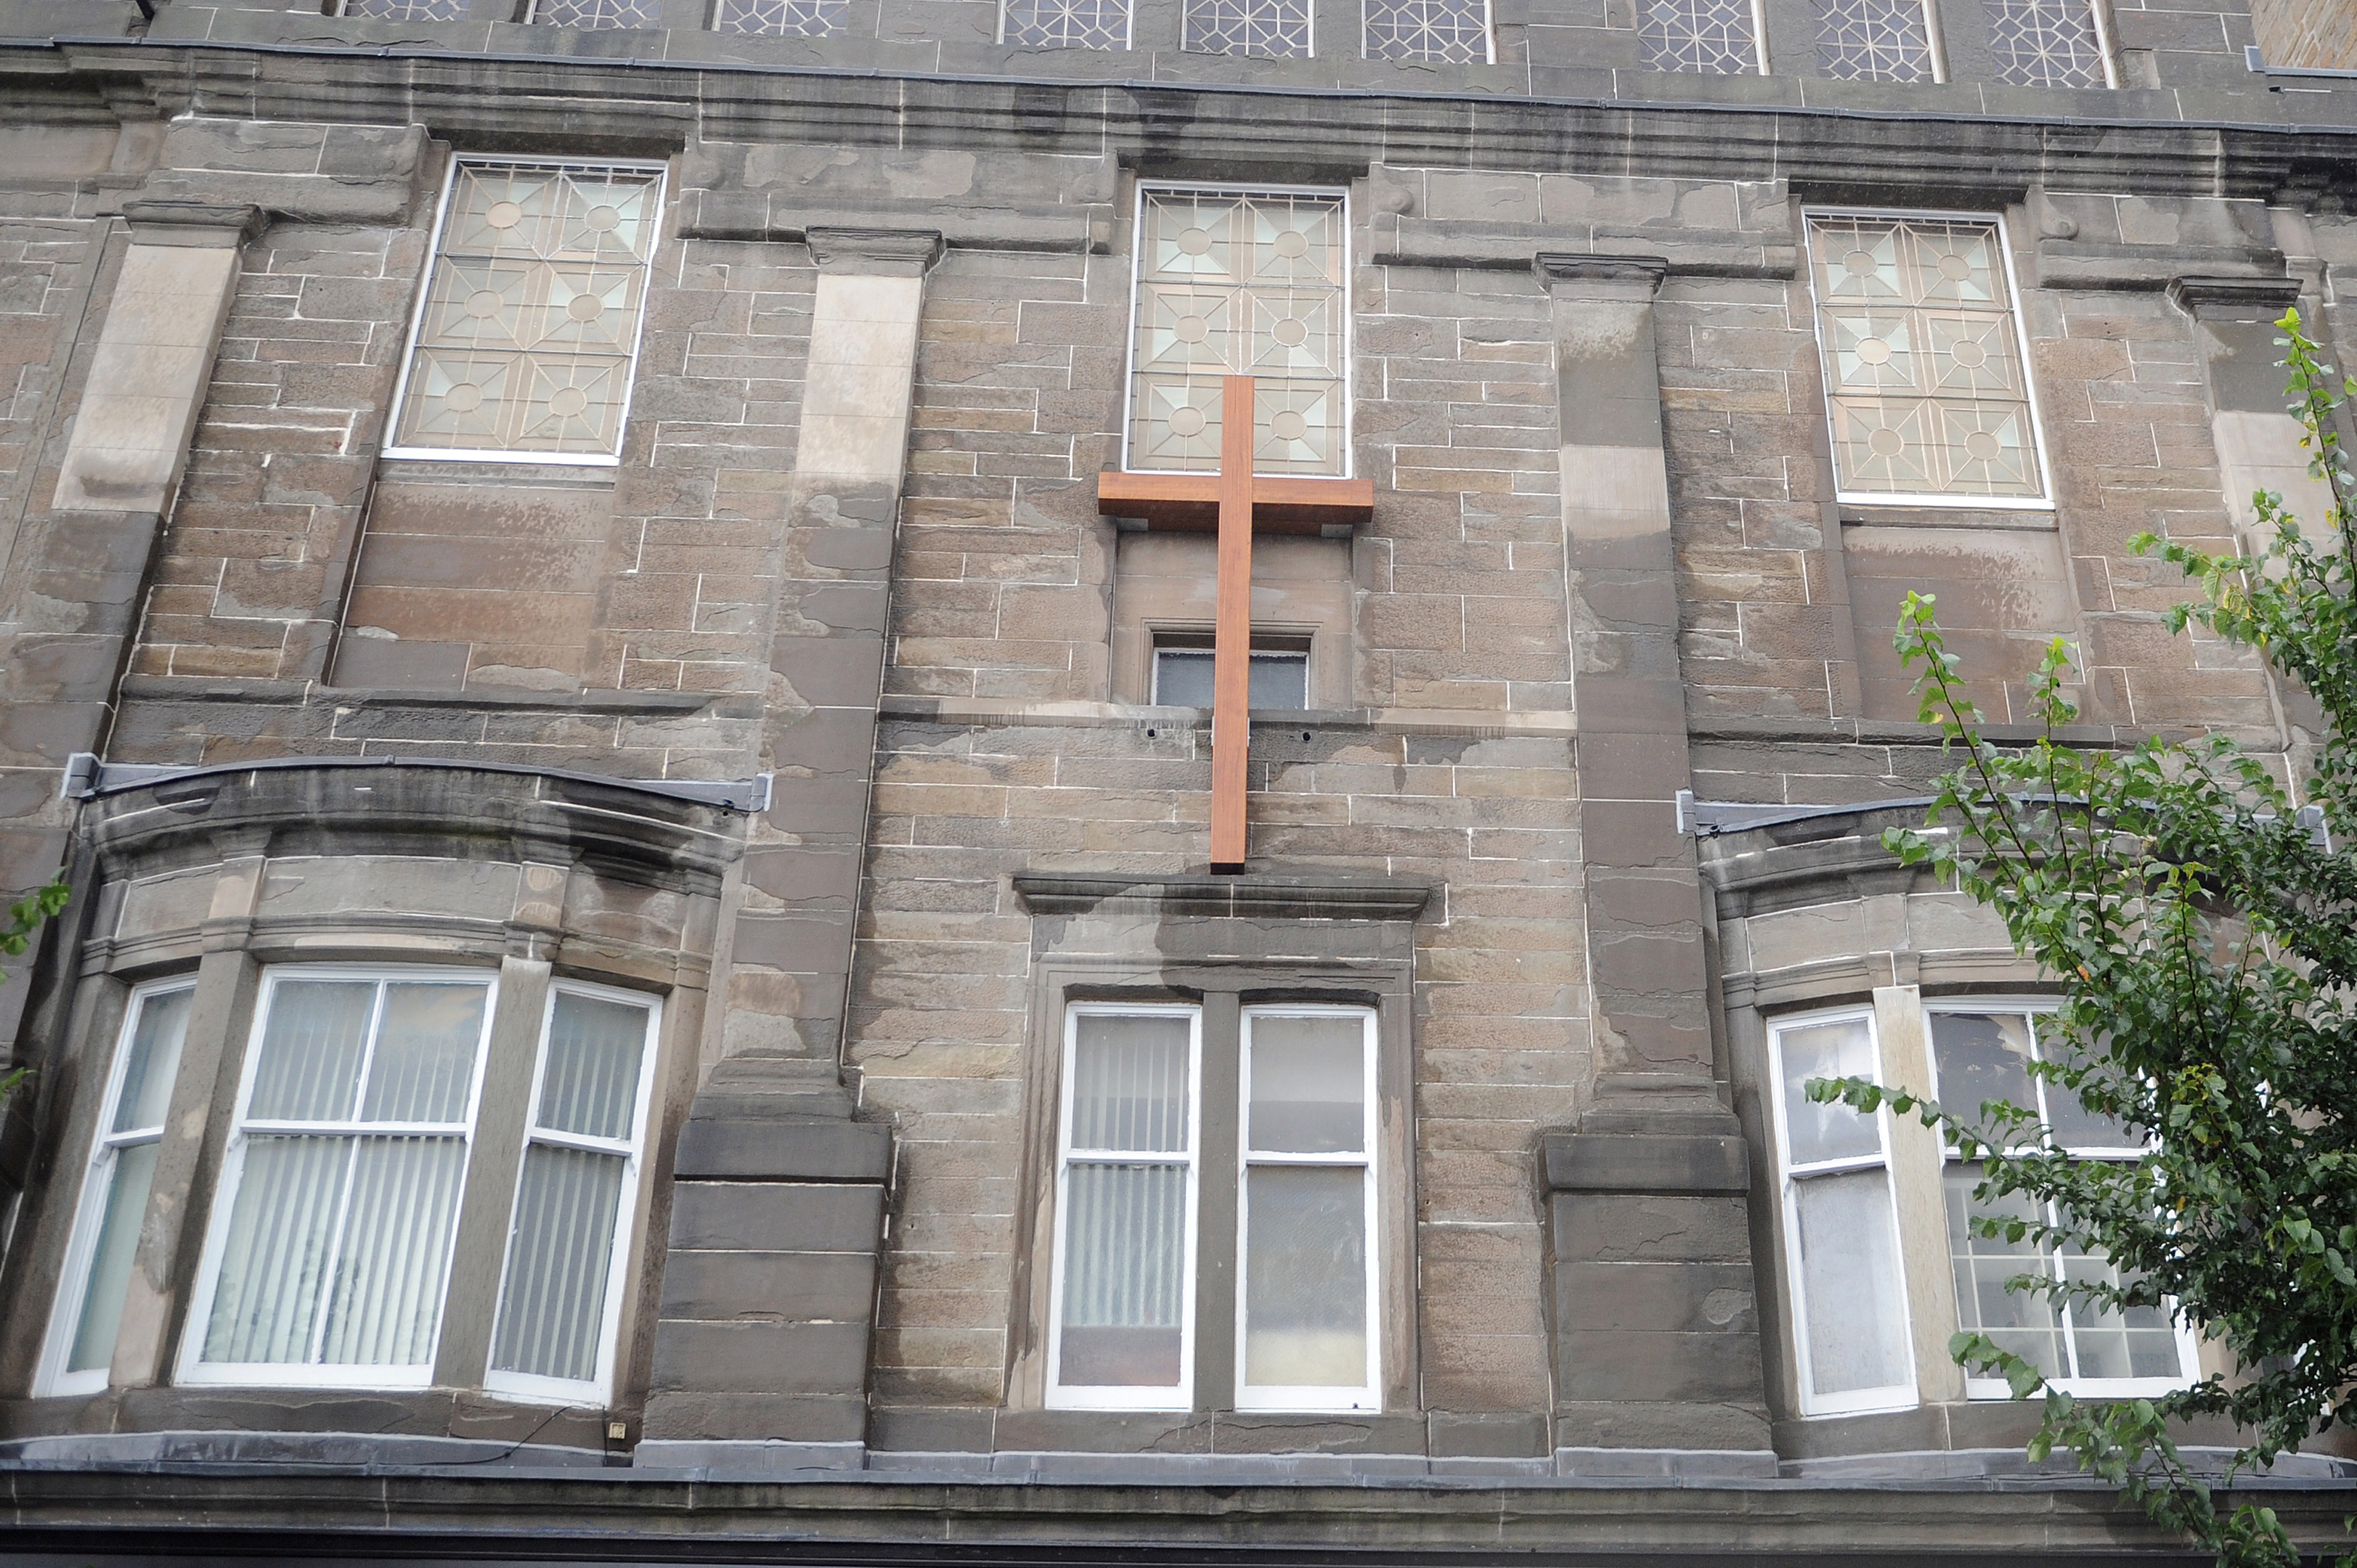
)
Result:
{"points": [[1894, 1396], [2043, 501], [192, 1368], [1294, 1397], [532, 1387], [424, 293], [90, 1208], [2188, 1348], [1180, 1396], [1341, 195]]}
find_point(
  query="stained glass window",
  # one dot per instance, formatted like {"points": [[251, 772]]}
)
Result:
{"points": [[1875, 40], [531, 322], [1922, 361], [1701, 38], [1274, 29], [1238, 283], [408, 10], [787, 18], [590, 14], [1065, 23], [2046, 43], [1447, 32]]}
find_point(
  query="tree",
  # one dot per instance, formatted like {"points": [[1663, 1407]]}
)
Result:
{"points": [[26, 917], [2198, 911]]}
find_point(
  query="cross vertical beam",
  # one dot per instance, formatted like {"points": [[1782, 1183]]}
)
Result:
{"points": [[1236, 504], [1232, 627]]}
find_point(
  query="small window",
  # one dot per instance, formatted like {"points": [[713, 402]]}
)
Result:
{"points": [[1121, 1333], [1266, 29], [561, 1294], [337, 1208], [1183, 669], [1841, 1227], [1875, 40], [1064, 24], [1926, 370], [1981, 1054], [114, 1192], [527, 337], [1701, 38], [1307, 1307], [1441, 32]]}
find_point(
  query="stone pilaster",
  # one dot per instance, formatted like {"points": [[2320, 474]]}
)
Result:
{"points": [[1657, 1347], [761, 1354]]}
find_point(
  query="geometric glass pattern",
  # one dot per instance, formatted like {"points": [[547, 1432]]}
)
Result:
{"points": [[787, 18], [1451, 32], [1701, 38], [1232, 284], [2045, 43], [1874, 40], [408, 10], [531, 314], [1273, 29], [1065, 23], [1922, 364], [593, 14]]}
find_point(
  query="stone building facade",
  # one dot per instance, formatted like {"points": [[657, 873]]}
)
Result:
{"points": [[645, 963]]}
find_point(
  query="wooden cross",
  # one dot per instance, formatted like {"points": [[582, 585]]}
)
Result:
{"points": [[1238, 503]]}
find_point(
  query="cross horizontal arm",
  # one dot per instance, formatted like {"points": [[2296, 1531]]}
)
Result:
{"points": [[1282, 504]]}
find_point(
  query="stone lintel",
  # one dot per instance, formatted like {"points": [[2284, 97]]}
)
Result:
{"points": [[207, 225], [2233, 298], [874, 253], [1253, 897], [1572, 275]]}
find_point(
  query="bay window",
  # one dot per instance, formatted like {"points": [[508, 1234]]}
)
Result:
{"points": [[349, 1173], [1860, 1283]]}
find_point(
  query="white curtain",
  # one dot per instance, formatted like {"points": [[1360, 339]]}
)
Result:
{"points": [[552, 1314], [338, 1243]]}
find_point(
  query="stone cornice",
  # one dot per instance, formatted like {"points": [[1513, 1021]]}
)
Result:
{"points": [[641, 105], [2233, 298]]}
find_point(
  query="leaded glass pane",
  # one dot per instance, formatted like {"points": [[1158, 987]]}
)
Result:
{"points": [[408, 10], [1874, 40], [1234, 284], [1922, 365], [531, 314], [2045, 43], [783, 18], [590, 14], [1449, 32], [1701, 38], [1273, 29], [1066, 23]]}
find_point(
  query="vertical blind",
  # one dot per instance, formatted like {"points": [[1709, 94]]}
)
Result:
{"points": [[352, 1149], [577, 1160], [125, 1167], [1124, 1216]]}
